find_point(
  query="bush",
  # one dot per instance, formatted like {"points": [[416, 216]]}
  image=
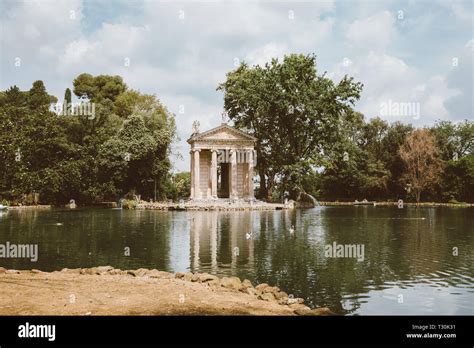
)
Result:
{"points": [[129, 204]]}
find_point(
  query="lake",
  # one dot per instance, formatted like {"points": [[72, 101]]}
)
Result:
{"points": [[415, 261]]}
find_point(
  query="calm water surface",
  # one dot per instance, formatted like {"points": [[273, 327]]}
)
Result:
{"points": [[408, 267]]}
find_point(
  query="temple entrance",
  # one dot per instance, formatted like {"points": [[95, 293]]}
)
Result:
{"points": [[223, 190]]}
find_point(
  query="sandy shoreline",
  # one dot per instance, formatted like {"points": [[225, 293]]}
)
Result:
{"points": [[108, 291]]}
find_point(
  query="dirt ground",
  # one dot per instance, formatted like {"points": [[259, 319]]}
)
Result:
{"points": [[142, 292]]}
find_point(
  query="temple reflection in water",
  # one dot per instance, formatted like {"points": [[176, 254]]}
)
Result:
{"points": [[220, 239]]}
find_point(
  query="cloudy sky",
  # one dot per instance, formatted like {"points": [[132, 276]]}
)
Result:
{"points": [[402, 51]]}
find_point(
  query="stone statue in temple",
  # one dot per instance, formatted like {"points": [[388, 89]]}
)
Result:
{"points": [[196, 126]]}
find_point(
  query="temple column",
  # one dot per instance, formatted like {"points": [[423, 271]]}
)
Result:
{"points": [[191, 156], [214, 227], [214, 174], [250, 175], [233, 176], [196, 227], [197, 181]]}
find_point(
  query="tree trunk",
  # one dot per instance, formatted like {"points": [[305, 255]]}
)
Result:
{"points": [[262, 191], [418, 194]]}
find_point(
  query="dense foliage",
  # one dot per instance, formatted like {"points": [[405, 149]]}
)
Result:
{"points": [[371, 164], [311, 141], [123, 148]]}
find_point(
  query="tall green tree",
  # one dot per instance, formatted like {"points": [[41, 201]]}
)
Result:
{"points": [[98, 88], [38, 97], [454, 140], [456, 144], [356, 161], [32, 143], [395, 137], [293, 111], [67, 96]]}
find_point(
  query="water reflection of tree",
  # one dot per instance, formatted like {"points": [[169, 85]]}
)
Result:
{"points": [[89, 238]]}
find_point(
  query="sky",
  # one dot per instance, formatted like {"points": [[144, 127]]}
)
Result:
{"points": [[415, 56]]}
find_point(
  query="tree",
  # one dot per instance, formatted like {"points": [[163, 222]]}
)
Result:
{"points": [[84, 86], [421, 159], [100, 87], [180, 188], [292, 111], [355, 160], [394, 138], [372, 135], [456, 144], [14, 97], [32, 143], [63, 157], [145, 136], [454, 140], [458, 180], [67, 96], [38, 97]]}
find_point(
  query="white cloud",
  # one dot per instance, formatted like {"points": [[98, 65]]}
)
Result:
{"points": [[264, 54], [76, 54], [461, 9], [433, 98], [377, 30], [460, 78], [47, 22], [390, 79]]}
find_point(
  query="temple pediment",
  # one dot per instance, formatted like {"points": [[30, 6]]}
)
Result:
{"points": [[220, 133]]}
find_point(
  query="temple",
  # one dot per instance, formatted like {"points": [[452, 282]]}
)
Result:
{"points": [[222, 164]]}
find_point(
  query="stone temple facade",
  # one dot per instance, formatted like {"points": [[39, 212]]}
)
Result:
{"points": [[222, 164]]}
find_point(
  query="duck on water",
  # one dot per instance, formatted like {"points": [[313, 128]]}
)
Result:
{"points": [[72, 204]]}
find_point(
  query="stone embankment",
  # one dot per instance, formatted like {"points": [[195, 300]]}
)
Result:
{"points": [[219, 205], [408, 204], [27, 207]]}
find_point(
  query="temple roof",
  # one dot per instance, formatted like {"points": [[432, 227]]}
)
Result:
{"points": [[222, 132]]}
